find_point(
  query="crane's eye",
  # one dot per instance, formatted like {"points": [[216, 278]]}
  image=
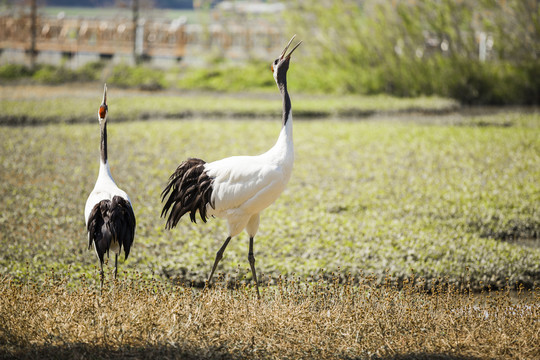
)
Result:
{"points": [[274, 64]]}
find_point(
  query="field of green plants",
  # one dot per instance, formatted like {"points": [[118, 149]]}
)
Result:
{"points": [[39, 104], [453, 196], [409, 230]]}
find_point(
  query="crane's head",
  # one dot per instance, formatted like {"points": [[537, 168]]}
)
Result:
{"points": [[103, 109], [281, 64]]}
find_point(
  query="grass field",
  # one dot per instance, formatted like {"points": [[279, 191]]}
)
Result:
{"points": [[453, 199], [293, 320], [30, 104]]}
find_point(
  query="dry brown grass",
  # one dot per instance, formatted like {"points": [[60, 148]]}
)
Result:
{"points": [[294, 320]]}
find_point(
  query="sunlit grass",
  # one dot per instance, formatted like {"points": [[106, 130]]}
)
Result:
{"points": [[46, 104], [321, 319], [364, 196]]}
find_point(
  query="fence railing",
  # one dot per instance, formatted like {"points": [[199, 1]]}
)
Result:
{"points": [[117, 36]]}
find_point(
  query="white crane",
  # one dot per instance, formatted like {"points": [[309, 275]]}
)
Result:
{"points": [[236, 188], [108, 213]]}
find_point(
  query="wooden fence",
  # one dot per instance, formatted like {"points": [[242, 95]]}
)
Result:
{"points": [[116, 36]]}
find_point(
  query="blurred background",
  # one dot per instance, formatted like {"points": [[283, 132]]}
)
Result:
{"points": [[481, 52]]}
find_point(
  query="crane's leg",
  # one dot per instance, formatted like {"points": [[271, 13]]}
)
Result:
{"points": [[251, 259], [115, 265], [101, 276], [219, 255]]}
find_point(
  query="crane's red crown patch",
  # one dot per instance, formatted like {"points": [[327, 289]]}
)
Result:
{"points": [[102, 111]]}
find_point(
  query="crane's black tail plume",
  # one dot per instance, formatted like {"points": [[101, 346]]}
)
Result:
{"points": [[111, 220], [189, 190]]}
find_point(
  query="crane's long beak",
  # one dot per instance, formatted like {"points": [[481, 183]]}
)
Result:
{"points": [[104, 102], [282, 56]]}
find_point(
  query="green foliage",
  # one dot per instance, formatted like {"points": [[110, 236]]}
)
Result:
{"points": [[48, 74], [492, 83], [54, 75], [137, 76], [121, 75], [14, 71], [422, 47], [402, 48], [90, 71], [229, 77]]}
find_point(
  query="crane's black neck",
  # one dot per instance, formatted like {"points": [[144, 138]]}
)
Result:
{"points": [[103, 146], [282, 85]]}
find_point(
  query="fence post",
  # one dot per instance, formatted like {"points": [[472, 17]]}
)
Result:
{"points": [[135, 9], [33, 28], [482, 46]]}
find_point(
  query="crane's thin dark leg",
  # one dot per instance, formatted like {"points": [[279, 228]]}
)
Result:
{"points": [[251, 259], [101, 276], [115, 265], [219, 255]]}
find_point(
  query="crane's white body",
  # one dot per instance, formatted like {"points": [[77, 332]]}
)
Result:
{"points": [[108, 213], [105, 189], [245, 185], [236, 188]]}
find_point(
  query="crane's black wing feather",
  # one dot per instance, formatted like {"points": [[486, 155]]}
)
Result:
{"points": [[189, 190], [111, 220]]}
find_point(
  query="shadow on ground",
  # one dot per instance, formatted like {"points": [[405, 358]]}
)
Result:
{"points": [[87, 351], [429, 356]]}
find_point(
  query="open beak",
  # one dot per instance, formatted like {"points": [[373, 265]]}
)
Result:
{"points": [[104, 102], [283, 56]]}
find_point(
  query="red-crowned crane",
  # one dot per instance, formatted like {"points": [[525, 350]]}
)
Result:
{"points": [[108, 213], [236, 188]]}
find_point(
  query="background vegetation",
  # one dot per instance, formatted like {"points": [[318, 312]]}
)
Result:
{"points": [[423, 47], [31, 104], [400, 48]]}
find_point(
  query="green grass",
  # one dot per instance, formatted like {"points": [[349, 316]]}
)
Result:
{"points": [[75, 103], [365, 197]]}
